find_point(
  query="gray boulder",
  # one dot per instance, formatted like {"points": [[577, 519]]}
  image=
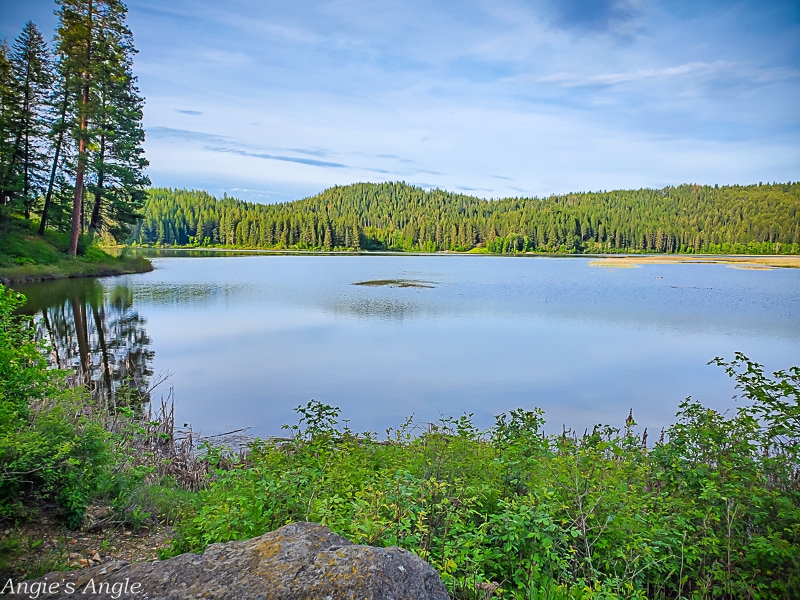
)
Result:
{"points": [[301, 561]]}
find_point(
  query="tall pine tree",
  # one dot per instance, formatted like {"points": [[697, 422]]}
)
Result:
{"points": [[9, 117], [96, 49], [32, 67], [119, 183]]}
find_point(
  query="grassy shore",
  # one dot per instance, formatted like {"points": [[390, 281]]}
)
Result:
{"points": [[25, 256]]}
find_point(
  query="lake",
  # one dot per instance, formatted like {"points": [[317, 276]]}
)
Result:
{"points": [[247, 338]]}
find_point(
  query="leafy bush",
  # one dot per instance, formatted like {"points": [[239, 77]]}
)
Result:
{"points": [[711, 511], [95, 255], [23, 369], [49, 446]]}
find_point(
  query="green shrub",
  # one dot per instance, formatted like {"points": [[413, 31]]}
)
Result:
{"points": [[711, 511], [94, 254], [49, 446], [23, 369]]}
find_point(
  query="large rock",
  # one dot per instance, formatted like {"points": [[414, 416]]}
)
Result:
{"points": [[302, 561]]}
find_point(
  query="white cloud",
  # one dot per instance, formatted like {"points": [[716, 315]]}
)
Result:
{"points": [[697, 68], [304, 96], [703, 70]]}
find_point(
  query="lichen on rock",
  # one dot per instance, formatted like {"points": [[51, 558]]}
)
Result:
{"points": [[301, 561]]}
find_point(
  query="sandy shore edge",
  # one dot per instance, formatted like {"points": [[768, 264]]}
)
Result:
{"points": [[736, 261]]}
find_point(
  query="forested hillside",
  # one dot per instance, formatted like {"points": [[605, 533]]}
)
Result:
{"points": [[755, 219]]}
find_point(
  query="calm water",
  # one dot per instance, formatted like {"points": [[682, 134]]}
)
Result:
{"points": [[248, 338]]}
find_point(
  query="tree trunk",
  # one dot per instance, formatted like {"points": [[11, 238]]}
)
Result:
{"points": [[94, 224], [56, 154], [25, 178], [78, 303], [26, 201], [13, 161], [77, 203]]}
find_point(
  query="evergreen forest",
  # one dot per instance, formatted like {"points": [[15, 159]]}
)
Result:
{"points": [[71, 135], [752, 219]]}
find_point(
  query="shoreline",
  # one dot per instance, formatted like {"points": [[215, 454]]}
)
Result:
{"points": [[610, 260], [72, 270], [742, 261], [26, 257]]}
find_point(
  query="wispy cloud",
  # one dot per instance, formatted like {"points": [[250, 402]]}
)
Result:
{"points": [[315, 152], [397, 158], [463, 188], [183, 134], [610, 79], [294, 159], [226, 144], [193, 113]]}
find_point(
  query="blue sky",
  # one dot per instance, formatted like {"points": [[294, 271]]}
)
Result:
{"points": [[272, 100]]}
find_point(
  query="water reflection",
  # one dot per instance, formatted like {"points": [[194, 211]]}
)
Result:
{"points": [[249, 338], [184, 293], [96, 333]]}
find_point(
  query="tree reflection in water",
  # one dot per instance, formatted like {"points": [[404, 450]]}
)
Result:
{"points": [[96, 333]]}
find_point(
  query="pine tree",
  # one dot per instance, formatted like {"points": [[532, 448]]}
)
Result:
{"points": [[9, 117], [118, 164], [32, 66], [356, 236], [76, 31], [96, 49]]}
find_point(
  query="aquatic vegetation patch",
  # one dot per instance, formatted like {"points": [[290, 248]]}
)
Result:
{"points": [[401, 283]]}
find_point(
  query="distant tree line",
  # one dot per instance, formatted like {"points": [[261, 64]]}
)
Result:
{"points": [[70, 124], [753, 219]]}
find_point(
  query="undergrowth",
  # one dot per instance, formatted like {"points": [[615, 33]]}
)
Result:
{"points": [[710, 511], [26, 256]]}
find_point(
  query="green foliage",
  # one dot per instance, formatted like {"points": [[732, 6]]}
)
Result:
{"points": [[22, 168], [753, 219], [88, 93], [19, 245], [49, 448], [94, 254], [23, 369], [711, 511], [774, 402], [24, 255]]}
